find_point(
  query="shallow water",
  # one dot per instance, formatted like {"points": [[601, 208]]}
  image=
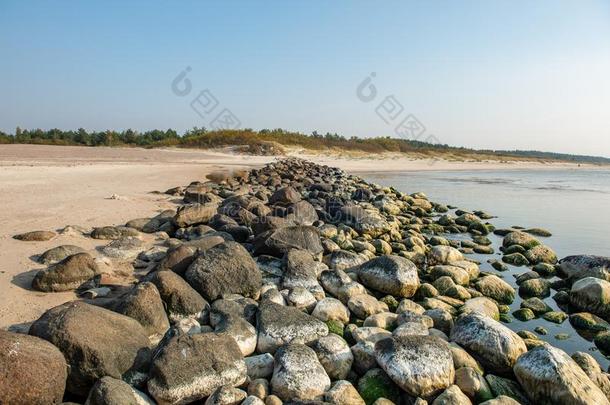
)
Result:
{"points": [[572, 203]]}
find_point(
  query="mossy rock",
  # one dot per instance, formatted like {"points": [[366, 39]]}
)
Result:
{"points": [[484, 250], [503, 308], [516, 259], [537, 287], [602, 341], [526, 334], [376, 384], [589, 322], [539, 232], [335, 327], [545, 269], [562, 336], [498, 265], [541, 330], [506, 318], [478, 227], [481, 240], [504, 386], [524, 314], [391, 302], [514, 249], [555, 316], [536, 305]]}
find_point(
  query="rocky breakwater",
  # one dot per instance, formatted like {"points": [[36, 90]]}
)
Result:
{"points": [[296, 283]]}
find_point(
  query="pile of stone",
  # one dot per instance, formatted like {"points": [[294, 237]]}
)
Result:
{"points": [[299, 283]]}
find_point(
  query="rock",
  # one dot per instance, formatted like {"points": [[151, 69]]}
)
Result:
{"points": [[481, 305], [444, 255], [587, 321], [524, 314], [192, 367], [420, 365], [285, 196], [123, 248], [32, 370], [580, 266], [331, 309], [59, 253], [490, 342], [179, 259], [143, 303], [259, 366], [112, 391], [591, 295], [35, 236], [376, 384], [501, 386], [473, 384], [278, 325], [549, 375], [226, 268], [457, 274], [335, 356], [259, 388], [541, 254], [461, 358], [114, 232], [520, 238], [535, 304], [393, 275], [181, 300], [66, 275], [592, 369], [343, 259], [226, 395], [516, 259], [364, 305], [366, 222], [494, 287], [298, 375], [537, 287], [302, 213], [452, 396], [300, 270], [343, 393], [241, 331], [96, 342], [194, 214], [501, 400], [280, 241], [555, 316]]}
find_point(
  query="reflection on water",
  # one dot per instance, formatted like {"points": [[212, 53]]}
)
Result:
{"points": [[571, 203]]}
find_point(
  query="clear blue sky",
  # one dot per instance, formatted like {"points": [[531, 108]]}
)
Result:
{"points": [[485, 74]]}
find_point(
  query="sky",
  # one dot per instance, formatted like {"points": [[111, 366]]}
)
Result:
{"points": [[482, 74]]}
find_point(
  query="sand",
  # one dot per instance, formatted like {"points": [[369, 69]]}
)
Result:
{"points": [[49, 187]]}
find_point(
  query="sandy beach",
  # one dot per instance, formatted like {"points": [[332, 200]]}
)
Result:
{"points": [[49, 187]]}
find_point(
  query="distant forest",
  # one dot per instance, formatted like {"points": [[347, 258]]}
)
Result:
{"points": [[258, 142]]}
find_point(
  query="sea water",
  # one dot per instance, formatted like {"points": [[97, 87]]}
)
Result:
{"points": [[571, 203]]}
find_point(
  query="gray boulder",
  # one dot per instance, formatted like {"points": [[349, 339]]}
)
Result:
{"points": [[298, 375], [549, 376], [226, 268], [181, 300], [393, 275], [279, 241], [191, 367], [194, 214], [591, 294], [335, 356], [59, 253], [420, 365], [494, 345], [96, 342], [278, 325]]}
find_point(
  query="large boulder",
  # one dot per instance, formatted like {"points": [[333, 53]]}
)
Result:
{"points": [[111, 391], [549, 376], [591, 294], [279, 241], [494, 287], [32, 370], [226, 268], [66, 275], [96, 342], [581, 266], [191, 367], [285, 196], [441, 254], [522, 239], [181, 299], [541, 254], [194, 214], [420, 365], [366, 222], [143, 303], [298, 375], [335, 355], [494, 345], [393, 275], [278, 325]]}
